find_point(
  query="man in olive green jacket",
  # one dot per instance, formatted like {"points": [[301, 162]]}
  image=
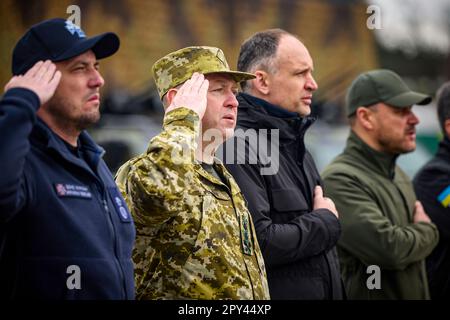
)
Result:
{"points": [[386, 233]]}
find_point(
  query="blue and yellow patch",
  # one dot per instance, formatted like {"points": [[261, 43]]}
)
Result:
{"points": [[444, 197]]}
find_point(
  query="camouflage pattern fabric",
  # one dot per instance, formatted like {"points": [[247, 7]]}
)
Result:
{"points": [[179, 66], [194, 240]]}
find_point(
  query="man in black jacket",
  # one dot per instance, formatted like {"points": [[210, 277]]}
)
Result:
{"points": [[297, 227], [65, 231], [432, 186]]}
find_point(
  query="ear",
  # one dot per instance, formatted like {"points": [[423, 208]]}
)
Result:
{"points": [[447, 127], [261, 83], [366, 118], [170, 95]]}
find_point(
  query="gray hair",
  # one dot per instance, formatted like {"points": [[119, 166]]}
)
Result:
{"points": [[259, 51]]}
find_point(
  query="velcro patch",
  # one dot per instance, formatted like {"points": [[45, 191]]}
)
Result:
{"points": [[72, 190], [444, 197], [120, 205]]}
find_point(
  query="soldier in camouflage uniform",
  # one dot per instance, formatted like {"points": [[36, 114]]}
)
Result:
{"points": [[195, 236]]}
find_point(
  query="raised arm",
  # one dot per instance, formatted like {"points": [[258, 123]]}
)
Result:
{"points": [[24, 94]]}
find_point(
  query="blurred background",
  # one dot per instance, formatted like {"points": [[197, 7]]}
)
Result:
{"points": [[344, 37]]}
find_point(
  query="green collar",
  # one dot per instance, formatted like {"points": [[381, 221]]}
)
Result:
{"points": [[379, 162]]}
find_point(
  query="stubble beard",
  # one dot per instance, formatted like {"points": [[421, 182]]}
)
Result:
{"points": [[61, 110], [391, 146]]}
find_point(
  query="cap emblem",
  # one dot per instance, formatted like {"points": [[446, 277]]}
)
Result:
{"points": [[73, 28]]}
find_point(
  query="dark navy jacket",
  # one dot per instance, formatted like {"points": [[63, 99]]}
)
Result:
{"points": [[431, 183], [61, 216]]}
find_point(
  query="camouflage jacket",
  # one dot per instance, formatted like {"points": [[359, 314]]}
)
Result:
{"points": [[194, 240]]}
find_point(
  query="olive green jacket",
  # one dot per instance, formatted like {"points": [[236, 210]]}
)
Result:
{"points": [[195, 237], [376, 200]]}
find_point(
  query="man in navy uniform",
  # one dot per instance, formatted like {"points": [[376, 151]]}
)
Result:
{"points": [[65, 231]]}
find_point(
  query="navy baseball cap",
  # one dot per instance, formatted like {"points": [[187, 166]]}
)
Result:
{"points": [[58, 40]]}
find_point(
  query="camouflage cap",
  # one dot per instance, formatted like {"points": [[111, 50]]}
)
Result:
{"points": [[178, 66]]}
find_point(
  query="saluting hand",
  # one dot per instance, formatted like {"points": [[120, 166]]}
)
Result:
{"points": [[42, 78], [192, 94]]}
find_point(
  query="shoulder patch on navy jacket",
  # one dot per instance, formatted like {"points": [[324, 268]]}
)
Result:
{"points": [[72, 190], [119, 204]]}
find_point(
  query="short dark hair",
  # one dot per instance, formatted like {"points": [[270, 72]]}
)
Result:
{"points": [[443, 104], [259, 50]]}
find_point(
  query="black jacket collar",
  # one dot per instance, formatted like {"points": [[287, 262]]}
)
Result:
{"points": [[271, 109], [444, 148], [259, 114]]}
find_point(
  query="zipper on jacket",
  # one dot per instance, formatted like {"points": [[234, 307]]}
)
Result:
{"points": [[116, 242], [105, 206]]}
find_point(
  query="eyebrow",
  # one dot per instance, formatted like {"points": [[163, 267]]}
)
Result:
{"points": [[82, 62], [303, 69], [224, 82]]}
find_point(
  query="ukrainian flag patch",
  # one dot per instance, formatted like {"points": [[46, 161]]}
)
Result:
{"points": [[444, 197]]}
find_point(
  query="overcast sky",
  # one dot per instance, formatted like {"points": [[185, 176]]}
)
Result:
{"points": [[414, 25]]}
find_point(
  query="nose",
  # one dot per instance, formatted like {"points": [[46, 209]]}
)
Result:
{"points": [[96, 80], [311, 84], [231, 101], [413, 119]]}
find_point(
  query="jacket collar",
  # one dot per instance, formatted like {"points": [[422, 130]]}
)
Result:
{"points": [[379, 162], [444, 148], [271, 109], [218, 166], [257, 113], [47, 138]]}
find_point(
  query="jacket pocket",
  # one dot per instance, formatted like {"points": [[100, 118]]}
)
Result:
{"points": [[218, 193]]}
